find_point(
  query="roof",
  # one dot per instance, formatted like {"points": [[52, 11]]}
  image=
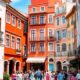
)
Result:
{"points": [[16, 12], [7, 1], [70, 9]]}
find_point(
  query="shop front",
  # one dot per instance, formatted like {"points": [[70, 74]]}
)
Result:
{"points": [[36, 63]]}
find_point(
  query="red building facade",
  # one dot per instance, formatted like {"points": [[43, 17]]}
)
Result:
{"points": [[41, 39], [15, 40]]}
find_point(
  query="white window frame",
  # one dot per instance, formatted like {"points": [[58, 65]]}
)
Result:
{"points": [[57, 47], [14, 42], [14, 24], [40, 22], [18, 23], [31, 34], [35, 48], [33, 10], [49, 48], [39, 47], [7, 13], [9, 40], [52, 18], [52, 32], [44, 32], [41, 9]]}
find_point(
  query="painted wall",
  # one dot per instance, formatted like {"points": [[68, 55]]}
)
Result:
{"points": [[2, 16]]}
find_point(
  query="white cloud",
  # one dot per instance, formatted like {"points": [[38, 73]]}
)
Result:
{"points": [[15, 1]]}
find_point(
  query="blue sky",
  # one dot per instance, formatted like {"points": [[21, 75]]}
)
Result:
{"points": [[21, 5]]}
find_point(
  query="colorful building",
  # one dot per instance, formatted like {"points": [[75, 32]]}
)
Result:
{"points": [[41, 37], [2, 34], [61, 36], [73, 36], [15, 50]]}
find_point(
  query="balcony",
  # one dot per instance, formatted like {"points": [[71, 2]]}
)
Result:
{"points": [[37, 12], [41, 38], [33, 39], [18, 51], [1, 38], [58, 54], [51, 38], [35, 23]]}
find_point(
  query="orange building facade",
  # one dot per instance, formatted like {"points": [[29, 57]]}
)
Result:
{"points": [[15, 51], [41, 39]]}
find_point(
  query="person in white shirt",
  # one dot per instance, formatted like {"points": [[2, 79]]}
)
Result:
{"points": [[78, 75]]}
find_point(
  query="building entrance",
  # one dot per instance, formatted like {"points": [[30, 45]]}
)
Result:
{"points": [[36, 66], [11, 66]]}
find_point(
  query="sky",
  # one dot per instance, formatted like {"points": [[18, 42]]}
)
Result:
{"points": [[21, 5]]}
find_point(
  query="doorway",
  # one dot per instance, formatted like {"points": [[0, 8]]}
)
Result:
{"points": [[11, 67], [36, 66], [59, 66], [17, 66]]}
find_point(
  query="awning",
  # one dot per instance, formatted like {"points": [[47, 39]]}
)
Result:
{"points": [[36, 60]]}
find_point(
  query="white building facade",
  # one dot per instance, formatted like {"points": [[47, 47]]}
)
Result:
{"points": [[2, 34]]}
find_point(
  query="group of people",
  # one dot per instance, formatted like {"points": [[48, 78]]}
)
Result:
{"points": [[45, 75]]}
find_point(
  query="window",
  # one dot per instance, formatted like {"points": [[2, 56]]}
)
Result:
{"points": [[18, 44], [33, 9], [8, 17], [57, 11], [42, 19], [33, 20], [63, 47], [57, 21], [13, 20], [32, 47], [58, 47], [50, 32], [63, 19], [19, 23], [42, 8], [58, 35], [41, 47], [50, 46], [63, 33], [33, 34], [50, 18], [41, 34], [13, 42], [7, 40]]}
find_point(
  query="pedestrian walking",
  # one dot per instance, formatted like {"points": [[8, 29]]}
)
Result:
{"points": [[47, 76], [13, 76], [60, 76], [65, 75], [39, 75], [78, 75], [19, 75], [73, 77], [26, 76]]}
